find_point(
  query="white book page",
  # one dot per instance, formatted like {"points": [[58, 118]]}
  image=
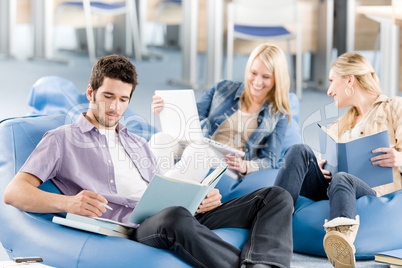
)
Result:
{"points": [[179, 117]]}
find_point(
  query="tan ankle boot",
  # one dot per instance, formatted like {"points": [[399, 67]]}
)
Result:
{"points": [[338, 242]]}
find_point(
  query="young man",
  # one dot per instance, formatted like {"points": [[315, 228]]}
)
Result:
{"points": [[96, 161]]}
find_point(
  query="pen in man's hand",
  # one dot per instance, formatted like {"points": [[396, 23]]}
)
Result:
{"points": [[106, 206]]}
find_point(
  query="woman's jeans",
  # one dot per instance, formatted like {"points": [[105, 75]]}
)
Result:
{"points": [[266, 212], [301, 175]]}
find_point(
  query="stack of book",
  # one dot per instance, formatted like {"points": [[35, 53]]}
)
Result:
{"points": [[391, 257], [95, 225]]}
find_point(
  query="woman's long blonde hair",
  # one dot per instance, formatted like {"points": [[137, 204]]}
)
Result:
{"points": [[355, 64], [275, 60]]}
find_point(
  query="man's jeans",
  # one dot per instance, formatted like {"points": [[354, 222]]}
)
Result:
{"points": [[301, 175], [266, 212]]}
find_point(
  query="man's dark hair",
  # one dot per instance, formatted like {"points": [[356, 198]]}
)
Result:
{"points": [[115, 67]]}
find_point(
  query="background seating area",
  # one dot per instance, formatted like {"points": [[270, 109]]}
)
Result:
{"points": [[34, 234]]}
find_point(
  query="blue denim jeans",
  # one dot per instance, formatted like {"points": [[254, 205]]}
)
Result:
{"points": [[301, 175], [266, 212]]}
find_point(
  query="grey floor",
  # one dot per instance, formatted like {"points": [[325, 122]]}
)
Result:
{"points": [[18, 75]]}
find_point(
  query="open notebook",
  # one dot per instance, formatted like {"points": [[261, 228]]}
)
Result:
{"points": [[179, 118]]}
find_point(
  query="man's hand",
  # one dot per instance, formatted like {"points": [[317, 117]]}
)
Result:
{"points": [[236, 163], [211, 201], [23, 193], [86, 203], [326, 173], [389, 158], [157, 104]]}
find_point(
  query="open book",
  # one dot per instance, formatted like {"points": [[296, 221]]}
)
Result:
{"points": [[354, 156], [179, 118], [95, 225], [391, 257], [163, 192]]}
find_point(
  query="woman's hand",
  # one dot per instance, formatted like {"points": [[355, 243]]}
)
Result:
{"points": [[236, 163], [211, 201], [157, 104], [389, 158], [326, 173]]}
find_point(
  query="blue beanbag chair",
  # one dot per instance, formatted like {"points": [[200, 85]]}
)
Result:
{"points": [[55, 95], [380, 225], [33, 234]]}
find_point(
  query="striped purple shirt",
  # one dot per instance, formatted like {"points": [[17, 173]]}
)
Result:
{"points": [[76, 157]]}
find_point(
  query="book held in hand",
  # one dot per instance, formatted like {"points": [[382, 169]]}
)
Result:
{"points": [[391, 257], [163, 192], [354, 156], [95, 225]]}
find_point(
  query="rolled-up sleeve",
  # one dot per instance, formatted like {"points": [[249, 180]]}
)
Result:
{"points": [[44, 161]]}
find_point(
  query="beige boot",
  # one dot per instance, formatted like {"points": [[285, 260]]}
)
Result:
{"points": [[338, 242]]}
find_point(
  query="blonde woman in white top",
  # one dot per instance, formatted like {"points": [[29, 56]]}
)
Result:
{"points": [[353, 83]]}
